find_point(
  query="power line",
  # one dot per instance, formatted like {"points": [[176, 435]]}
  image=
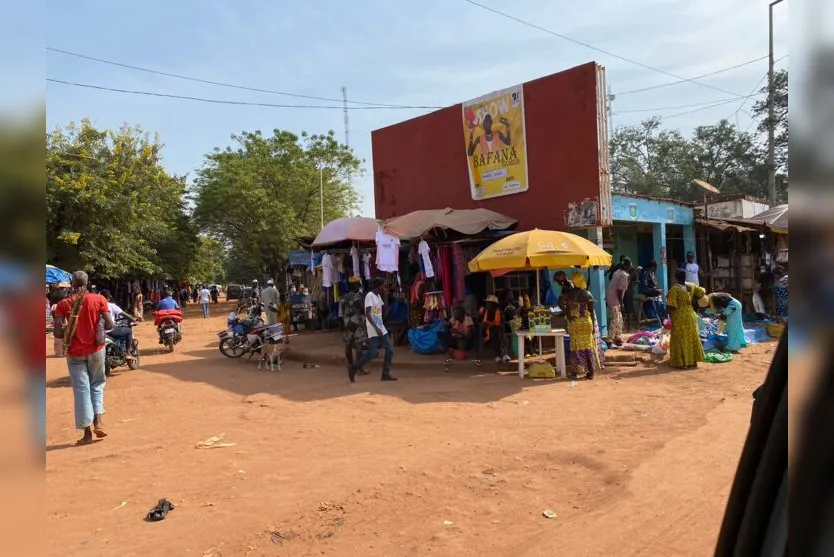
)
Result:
{"points": [[716, 72], [218, 83], [720, 103], [659, 109], [228, 101], [756, 88], [603, 51]]}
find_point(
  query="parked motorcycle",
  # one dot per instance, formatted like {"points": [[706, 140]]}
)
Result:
{"points": [[248, 335], [167, 322]]}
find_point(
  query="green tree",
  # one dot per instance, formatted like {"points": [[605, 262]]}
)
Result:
{"points": [[780, 112], [727, 158], [208, 265], [263, 194], [648, 160], [111, 205]]}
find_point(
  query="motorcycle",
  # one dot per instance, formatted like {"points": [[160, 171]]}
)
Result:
{"points": [[249, 335], [167, 322], [117, 351]]}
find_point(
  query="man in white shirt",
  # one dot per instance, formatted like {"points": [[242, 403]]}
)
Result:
{"points": [[378, 336], [122, 320], [205, 299], [271, 297], [693, 270]]}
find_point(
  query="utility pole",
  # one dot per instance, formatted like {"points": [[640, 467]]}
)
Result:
{"points": [[321, 192], [345, 110], [771, 124]]}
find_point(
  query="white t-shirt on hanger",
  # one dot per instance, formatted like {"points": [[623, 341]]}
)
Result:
{"points": [[387, 252], [354, 254], [423, 249], [366, 260]]}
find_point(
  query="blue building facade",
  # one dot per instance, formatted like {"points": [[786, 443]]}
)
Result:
{"points": [[644, 229]]}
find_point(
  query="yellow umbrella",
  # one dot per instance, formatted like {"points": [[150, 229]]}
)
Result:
{"points": [[536, 249]]}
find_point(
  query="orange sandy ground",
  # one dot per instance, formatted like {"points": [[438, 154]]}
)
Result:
{"points": [[638, 462]]}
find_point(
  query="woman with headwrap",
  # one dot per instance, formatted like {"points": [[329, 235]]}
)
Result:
{"points": [[729, 310], [578, 280], [685, 349], [578, 305]]}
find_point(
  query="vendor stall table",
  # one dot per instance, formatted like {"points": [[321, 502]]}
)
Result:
{"points": [[558, 334]]}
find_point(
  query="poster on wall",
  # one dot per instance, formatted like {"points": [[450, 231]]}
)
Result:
{"points": [[496, 150]]}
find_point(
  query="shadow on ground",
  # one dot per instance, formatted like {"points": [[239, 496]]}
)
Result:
{"points": [[429, 383]]}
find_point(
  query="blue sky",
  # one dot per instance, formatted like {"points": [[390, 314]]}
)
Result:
{"points": [[437, 52]]}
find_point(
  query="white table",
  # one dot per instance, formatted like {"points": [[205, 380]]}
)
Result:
{"points": [[558, 334]]}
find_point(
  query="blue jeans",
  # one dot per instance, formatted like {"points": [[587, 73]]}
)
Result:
{"points": [[205, 309], [87, 377], [374, 344], [37, 391]]}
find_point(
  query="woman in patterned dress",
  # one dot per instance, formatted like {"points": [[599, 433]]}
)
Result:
{"points": [[685, 349], [355, 333], [579, 312], [578, 280]]}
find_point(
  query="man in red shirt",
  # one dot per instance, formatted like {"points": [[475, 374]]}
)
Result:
{"points": [[84, 346]]}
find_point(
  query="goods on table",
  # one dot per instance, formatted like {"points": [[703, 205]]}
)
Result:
{"points": [[540, 320]]}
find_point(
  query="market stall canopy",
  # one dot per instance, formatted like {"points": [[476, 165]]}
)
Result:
{"points": [[347, 229], [54, 275], [775, 217], [464, 221], [536, 249]]}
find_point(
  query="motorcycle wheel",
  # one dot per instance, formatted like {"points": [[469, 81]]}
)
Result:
{"points": [[231, 348], [169, 342], [135, 363]]}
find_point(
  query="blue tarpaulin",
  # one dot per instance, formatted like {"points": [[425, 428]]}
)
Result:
{"points": [[301, 257], [54, 275]]}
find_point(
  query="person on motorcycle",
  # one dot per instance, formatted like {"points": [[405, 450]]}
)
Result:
{"points": [[255, 295], [123, 322], [168, 302]]}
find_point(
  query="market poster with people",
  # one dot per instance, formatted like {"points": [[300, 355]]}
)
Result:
{"points": [[496, 151]]}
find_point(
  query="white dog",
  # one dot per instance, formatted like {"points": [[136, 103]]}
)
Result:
{"points": [[271, 355]]}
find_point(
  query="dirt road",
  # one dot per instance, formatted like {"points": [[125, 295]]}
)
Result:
{"points": [[638, 462]]}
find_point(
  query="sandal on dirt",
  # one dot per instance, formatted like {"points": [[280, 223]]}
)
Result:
{"points": [[160, 511], [100, 433]]}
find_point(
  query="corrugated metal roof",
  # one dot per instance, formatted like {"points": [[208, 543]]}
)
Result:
{"points": [[723, 225]]}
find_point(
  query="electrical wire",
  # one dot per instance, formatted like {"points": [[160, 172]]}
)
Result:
{"points": [[603, 51], [660, 109], [221, 83], [228, 101], [669, 84], [756, 88]]}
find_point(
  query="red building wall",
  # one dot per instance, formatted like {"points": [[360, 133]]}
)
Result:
{"points": [[421, 163]]}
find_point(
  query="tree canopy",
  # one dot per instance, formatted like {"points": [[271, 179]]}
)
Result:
{"points": [[649, 160], [261, 195], [112, 208], [780, 117]]}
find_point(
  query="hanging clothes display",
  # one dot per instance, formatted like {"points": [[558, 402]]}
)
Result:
{"points": [[387, 252], [354, 255], [459, 274], [444, 261], [426, 266], [366, 265], [326, 270]]}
